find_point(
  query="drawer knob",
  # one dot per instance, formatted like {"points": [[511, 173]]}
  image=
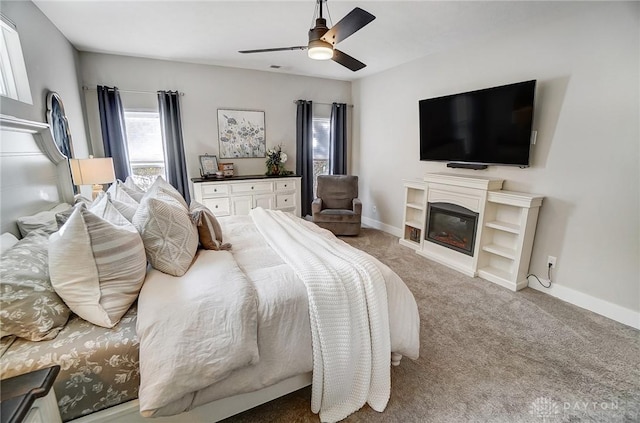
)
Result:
{"points": [[216, 206], [285, 185], [251, 187], [215, 190], [285, 200]]}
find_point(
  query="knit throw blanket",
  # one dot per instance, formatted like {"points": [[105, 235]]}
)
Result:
{"points": [[347, 310]]}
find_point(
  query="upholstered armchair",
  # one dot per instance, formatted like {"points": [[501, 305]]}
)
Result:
{"points": [[337, 207]]}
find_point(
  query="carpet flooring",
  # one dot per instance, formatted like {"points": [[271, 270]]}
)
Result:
{"points": [[491, 355]]}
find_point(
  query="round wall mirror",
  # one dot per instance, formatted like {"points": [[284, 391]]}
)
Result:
{"points": [[59, 125]]}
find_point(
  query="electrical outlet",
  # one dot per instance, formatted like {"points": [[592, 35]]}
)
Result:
{"points": [[551, 260], [375, 209]]}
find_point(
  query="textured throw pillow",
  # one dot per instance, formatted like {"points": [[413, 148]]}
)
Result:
{"points": [[29, 307], [79, 198], [97, 267], [45, 220], [122, 201], [209, 230], [131, 188], [161, 185], [170, 237]]}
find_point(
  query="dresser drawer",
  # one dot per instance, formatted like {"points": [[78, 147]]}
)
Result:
{"points": [[285, 200], [285, 185], [249, 188], [213, 190], [219, 206]]}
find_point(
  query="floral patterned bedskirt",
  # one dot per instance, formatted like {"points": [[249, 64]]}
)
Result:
{"points": [[99, 366]]}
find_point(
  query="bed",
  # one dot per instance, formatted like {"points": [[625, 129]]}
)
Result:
{"points": [[102, 368]]}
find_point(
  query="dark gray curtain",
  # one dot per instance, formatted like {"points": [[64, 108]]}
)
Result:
{"points": [[176, 166], [338, 140], [114, 134], [304, 153]]}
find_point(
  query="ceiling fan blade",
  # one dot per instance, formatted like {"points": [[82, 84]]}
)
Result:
{"points": [[352, 22], [347, 61], [267, 50]]}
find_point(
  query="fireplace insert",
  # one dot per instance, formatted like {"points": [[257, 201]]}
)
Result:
{"points": [[451, 226]]}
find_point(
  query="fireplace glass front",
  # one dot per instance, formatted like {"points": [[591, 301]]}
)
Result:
{"points": [[451, 226]]}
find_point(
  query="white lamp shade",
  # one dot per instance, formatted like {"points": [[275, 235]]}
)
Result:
{"points": [[92, 171]]}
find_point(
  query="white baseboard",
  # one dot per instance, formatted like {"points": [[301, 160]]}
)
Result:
{"points": [[596, 305], [382, 226]]}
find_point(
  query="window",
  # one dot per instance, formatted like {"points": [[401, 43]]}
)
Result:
{"points": [[14, 82], [321, 148], [146, 150]]}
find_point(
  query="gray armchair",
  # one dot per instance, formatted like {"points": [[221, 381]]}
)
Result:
{"points": [[337, 207]]}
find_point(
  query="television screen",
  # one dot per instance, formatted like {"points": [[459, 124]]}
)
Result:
{"points": [[489, 126]]}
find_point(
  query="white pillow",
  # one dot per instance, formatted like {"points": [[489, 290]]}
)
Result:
{"points": [[45, 220], [169, 234], [97, 267], [131, 188], [161, 185], [122, 201], [7, 240]]}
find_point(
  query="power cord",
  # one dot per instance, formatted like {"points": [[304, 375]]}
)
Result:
{"points": [[538, 279]]}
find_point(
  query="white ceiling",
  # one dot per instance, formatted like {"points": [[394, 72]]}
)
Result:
{"points": [[212, 32]]}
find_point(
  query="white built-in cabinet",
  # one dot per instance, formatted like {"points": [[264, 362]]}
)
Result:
{"points": [[505, 230], [415, 209], [238, 195], [507, 240]]}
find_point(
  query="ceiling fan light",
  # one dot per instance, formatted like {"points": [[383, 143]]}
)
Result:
{"points": [[320, 50]]}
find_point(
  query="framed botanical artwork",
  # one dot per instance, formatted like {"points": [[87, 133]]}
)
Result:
{"points": [[208, 165], [241, 134]]}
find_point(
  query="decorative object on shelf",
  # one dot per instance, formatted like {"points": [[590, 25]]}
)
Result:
{"points": [[226, 169], [415, 235], [93, 172], [241, 133], [275, 161], [208, 165]]}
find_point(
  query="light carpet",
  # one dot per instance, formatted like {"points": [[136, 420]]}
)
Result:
{"points": [[491, 355]]}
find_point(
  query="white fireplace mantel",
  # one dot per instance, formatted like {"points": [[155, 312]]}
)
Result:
{"points": [[504, 233]]}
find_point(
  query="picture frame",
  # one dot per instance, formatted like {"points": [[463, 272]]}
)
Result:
{"points": [[241, 134], [208, 165]]}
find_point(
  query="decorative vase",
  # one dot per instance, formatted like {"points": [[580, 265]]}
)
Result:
{"points": [[273, 170]]}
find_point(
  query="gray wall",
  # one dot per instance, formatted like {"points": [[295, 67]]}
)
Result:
{"points": [[585, 163], [208, 88], [52, 65]]}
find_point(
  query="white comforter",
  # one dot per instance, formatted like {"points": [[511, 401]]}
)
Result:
{"points": [[282, 314]]}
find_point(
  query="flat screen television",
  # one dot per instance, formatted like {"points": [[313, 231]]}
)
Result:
{"points": [[485, 127]]}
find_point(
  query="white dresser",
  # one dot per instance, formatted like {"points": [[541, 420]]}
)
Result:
{"points": [[237, 195]]}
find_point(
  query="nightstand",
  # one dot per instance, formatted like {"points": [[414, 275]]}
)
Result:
{"points": [[28, 398]]}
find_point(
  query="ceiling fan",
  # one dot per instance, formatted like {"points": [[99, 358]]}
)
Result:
{"points": [[322, 40]]}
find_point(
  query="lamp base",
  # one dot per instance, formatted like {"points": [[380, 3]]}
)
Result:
{"points": [[97, 189]]}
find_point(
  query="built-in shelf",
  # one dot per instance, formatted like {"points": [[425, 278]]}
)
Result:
{"points": [[415, 204], [494, 271], [504, 226], [414, 224], [505, 252]]}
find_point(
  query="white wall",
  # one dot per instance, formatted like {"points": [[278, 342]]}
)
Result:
{"points": [[51, 63], [208, 88], [586, 161]]}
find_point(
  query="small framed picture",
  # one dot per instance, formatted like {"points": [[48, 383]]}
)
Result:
{"points": [[208, 165]]}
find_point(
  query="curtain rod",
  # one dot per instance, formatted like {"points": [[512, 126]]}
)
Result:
{"points": [[325, 104], [85, 88]]}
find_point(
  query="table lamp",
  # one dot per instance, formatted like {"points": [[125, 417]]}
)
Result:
{"points": [[93, 172]]}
